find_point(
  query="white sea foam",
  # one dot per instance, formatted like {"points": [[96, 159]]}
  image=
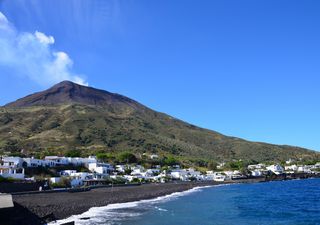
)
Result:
{"points": [[112, 213], [161, 209]]}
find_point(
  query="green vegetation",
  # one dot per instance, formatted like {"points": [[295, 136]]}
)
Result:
{"points": [[105, 157], [127, 157], [64, 183], [6, 180], [73, 153], [170, 161], [212, 165]]}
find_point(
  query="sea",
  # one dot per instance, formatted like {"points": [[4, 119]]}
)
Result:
{"points": [[294, 202]]}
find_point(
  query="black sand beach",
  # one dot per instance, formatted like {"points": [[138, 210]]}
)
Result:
{"points": [[36, 209]]}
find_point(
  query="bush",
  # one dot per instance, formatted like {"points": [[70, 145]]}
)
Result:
{"points": [[127, 157], [73, 153], [3, 179], [212, 165], [119, 180], [135, 180], [103, 156], [64, 183], [170, 161]]}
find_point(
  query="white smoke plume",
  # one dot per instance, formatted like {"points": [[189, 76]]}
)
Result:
{"points": [[31, 55]]}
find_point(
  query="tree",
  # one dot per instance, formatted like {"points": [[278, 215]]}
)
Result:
{"points": [[103, 156], [127, 157], [212, 165], [170, 161], [11, 146], [73, 153]]}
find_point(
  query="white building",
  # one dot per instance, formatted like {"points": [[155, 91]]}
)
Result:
{"points": [[215, 176], [276, 169], [53, 161], [12, 172], [121, 168], [291, 168], [186, 174], [15, 162], [193, 173], [32, 162], [153, 171], [57, 160], [101, 168], [304, 169], [259, 166], [77, 161], [256, 173], [138, 169], [12, 167], [67, 172], [78, 178], [236, 174], [179, 174]]}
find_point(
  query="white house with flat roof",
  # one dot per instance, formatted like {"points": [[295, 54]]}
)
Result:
{"points": [[304, 169], [78, 161], [256, 173], [57, 160], [259, 166], [16, 162], [12, 167], [215, 176], [67, 172], [101, 168], [12, 172], [32, 162], [291, 168], [78, 178], [121, 168]]}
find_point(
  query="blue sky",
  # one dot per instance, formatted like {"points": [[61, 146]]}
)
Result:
{"points": [[249, 69]]}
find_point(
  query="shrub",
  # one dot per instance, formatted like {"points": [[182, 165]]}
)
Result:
{"points": [[127, 157], [64, 183], [73, 153], [104, 156], [170, 161]]}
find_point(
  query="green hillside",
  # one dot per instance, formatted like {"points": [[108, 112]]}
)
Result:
{"points": [[115, 124]]}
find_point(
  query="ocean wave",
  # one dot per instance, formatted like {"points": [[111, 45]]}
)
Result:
{"points": [[114, 213], [161, 209]]}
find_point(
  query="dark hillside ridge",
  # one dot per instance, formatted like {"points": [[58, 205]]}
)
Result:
{"points": [[69, 92]]}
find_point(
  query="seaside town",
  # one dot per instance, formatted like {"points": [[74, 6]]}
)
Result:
{"points": [[57, 172]]}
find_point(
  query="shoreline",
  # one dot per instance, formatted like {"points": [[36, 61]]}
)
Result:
{"points": [[43, 208], [83, 215]]}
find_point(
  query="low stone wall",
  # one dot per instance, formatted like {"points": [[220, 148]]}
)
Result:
{"points": [[6, 201], [13, 187]]}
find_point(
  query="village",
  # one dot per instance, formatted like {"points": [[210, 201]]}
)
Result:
{"points": [[96, 172]]}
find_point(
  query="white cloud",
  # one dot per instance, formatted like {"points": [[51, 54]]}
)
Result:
{"points": [[44, 38], [31, 55], [3, 19]]}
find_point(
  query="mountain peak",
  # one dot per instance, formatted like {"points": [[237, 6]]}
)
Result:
{"points": [[66, 83], [67, 92]]}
